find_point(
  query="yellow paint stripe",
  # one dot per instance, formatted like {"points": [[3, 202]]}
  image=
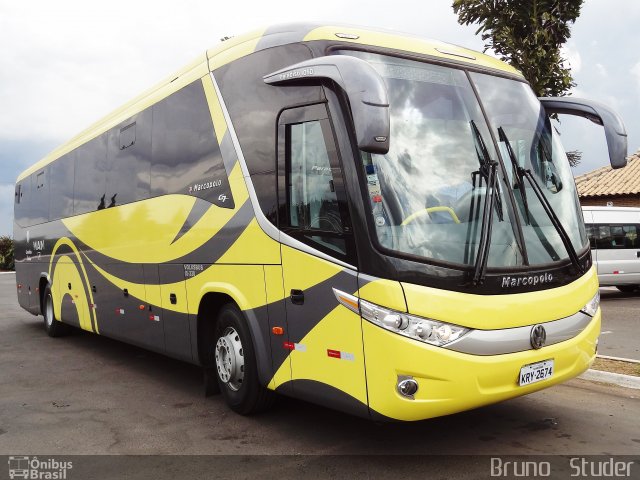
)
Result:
{"points": [[70, 244], [409, 44], [234, 48]]}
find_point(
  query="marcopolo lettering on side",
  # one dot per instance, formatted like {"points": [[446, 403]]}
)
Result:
{"points": [[303, 72]]}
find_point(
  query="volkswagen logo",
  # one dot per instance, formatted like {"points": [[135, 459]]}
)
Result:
{"points": [[538, 336]]}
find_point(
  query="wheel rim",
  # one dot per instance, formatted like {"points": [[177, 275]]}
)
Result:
{"points": [[49, 310], [230, 359]]}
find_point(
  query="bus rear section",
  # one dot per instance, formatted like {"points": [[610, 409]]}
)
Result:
{"points": [[385, 225]]}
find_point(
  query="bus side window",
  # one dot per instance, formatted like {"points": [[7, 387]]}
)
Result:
{"points": [[591, 234], [311, 194], [617, 236], [603, 240], [90, 176], [39, 211], [61, 190], [21, 207], [631, 236], [186, 157], [312, 198], [129, 160]]}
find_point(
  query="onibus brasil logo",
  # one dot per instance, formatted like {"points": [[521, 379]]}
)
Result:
{"points": [[36, 469]]}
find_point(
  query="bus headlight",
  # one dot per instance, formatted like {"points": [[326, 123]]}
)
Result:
{"points": [[592, 306], [422, 329]]}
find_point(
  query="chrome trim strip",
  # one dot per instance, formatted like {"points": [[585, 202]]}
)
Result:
{"points": [[340, 295], [266, 226], [511, 340]]}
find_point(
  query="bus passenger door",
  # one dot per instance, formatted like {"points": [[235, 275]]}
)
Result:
{"points": [[325, 338]]}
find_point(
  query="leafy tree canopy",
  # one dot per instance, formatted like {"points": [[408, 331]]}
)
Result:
{"points": [[528, 34]]}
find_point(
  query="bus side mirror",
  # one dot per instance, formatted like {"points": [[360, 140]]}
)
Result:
{"points": [[364, 87], [614, 129]]}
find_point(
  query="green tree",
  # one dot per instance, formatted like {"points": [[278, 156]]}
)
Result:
{"points": [[528, 34], [6, 253]]}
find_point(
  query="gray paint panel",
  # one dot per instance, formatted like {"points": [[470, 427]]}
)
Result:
{"points": [[282, 34], [177, 331]]}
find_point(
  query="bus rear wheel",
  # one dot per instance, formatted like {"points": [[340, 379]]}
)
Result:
{"points": [[52, 326], [235, 364]]}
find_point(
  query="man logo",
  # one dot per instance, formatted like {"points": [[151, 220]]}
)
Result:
{"points": [[538, 337]]}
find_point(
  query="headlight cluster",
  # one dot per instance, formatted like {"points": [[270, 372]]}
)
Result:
{"points": [[592, 306], [422, 329]]}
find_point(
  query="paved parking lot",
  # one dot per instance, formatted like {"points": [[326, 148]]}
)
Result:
{"points": [[620, 335], [85, 394]]}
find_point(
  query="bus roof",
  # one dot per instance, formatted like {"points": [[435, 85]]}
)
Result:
{"points": [[237, 47]]}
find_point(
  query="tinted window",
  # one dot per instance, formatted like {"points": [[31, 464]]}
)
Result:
{"points": [[606, 237], [311, 194], [129, 160], [39, 211], [186, 155], [22, 200], [90, 176], [313, 212], [61, 189]]}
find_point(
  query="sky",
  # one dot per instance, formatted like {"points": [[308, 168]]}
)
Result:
{"points": [[68, 63]]}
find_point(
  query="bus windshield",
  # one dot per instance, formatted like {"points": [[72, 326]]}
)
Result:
{"points": [[427, 194]]}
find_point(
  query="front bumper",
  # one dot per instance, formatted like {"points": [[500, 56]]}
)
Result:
{"points": [[451, 382]]}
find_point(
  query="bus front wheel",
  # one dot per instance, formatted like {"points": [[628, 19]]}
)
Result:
{"points": [[235, 364]]}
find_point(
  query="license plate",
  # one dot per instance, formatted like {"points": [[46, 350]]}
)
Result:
{"points": [[536, 372]]}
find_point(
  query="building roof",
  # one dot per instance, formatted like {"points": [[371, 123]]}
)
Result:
{"points": [[607, 181]]}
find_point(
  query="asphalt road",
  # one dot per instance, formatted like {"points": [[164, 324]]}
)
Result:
{"points": [[620, 334], [85, 394]]}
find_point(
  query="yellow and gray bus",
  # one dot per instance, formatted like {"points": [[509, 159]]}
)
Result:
{"points": [[374, 222]]}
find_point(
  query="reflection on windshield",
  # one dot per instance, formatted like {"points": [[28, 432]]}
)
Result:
{"points": [[427, 194], [515, 113]]}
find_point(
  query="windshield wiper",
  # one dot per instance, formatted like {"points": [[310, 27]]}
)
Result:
{"points": [[485, 162], [487, 172], [487, 224], [518, 173], [526, 173]]}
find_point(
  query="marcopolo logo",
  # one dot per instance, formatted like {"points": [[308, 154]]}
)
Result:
{"points": [[524, 281], [298, 73], [38, 469]]}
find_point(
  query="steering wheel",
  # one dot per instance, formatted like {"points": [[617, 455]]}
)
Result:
{"points": [[428, 211]]}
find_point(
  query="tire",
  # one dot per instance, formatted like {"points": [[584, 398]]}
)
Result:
{"points": [[52, 326], [235, 364], [628, 288]]}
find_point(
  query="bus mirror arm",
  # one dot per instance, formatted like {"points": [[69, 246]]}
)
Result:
{"points": [[614, 128], [365, 89]]}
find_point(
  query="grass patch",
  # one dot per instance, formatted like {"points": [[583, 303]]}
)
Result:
{"points": [[616, 366]]}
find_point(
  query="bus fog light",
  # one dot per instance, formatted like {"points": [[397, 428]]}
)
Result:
{"points": [[407, 387]]}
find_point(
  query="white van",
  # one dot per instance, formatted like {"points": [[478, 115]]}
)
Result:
{"points": [[613, 235]]}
